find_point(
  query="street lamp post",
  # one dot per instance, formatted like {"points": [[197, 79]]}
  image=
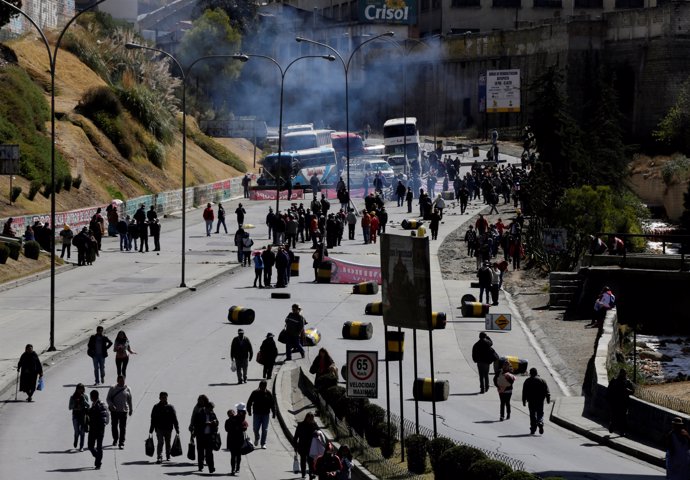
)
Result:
{"points": [[346, 67], [244, 57], [52, 59], [185, 74]]}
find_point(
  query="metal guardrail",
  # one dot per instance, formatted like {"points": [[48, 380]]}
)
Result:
{"points": [[661, 399], [683, 240]]}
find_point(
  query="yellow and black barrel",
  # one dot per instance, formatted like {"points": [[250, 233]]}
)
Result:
{"points": [[294, 267], [519, 364], [312, 337], [343, 372], [374, 308], [323, 273], [357, 330], [395, 346], [411, 224], [438, 320], [423, 390], [468, 297], [366, 288], [474, 309], [240, 315]]}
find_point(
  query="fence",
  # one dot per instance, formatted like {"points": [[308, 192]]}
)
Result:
{"points": [[661, 399]]}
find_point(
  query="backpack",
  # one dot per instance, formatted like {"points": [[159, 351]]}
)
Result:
{"points": [[247, 242]]}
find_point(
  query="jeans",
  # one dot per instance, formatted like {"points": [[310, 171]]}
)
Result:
{"points": [[95, 444], [125, 243], [483, 369], [204, 450], [505, 403], [221, 221], [241, 370], [98, 367], [536, 415], [163, 436], [209, 227], [401, 199], [121, 365], [351, 231], [365, 234], [293, 342], [66, 248], [482, 290], [118, 423], [78, 431], [260, 423]]}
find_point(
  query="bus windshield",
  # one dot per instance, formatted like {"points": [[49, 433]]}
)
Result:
{"points": [[399, 130]]}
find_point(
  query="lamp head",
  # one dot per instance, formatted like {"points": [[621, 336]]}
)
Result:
{"points": [[299, 39], [330, 58], [132, 46], [389, 34], [241, 57]]}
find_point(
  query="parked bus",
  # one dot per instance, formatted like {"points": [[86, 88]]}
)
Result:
{"points": [[401, 132], [302, 164], [306, 139], [340, 144]]}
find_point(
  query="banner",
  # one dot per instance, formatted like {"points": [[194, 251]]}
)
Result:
{"points": [[406, 285], [392, 12], [503, 91], [350, 272]]}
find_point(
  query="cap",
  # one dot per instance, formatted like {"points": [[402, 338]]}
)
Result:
{"points": [[677, 421], [240, 407], [240, 332]]}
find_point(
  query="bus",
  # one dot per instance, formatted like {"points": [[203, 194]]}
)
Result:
{"points": [[302, 164], [401, 132], [303, 140], [340, 144]]}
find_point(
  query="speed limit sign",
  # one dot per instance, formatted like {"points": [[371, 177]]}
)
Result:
{"points": [[362, 374]]}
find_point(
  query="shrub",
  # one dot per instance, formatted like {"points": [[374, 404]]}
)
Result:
{"points": [[215, 149], [58, 184], [14, 195], [436, 447], [456, 461], [155, 152], [67, 182], [145, 105], [32, 249], [99, 100], [354, 414], [416, 446], [34, 187], [387, 441], [15, 249], [47, 190], [488, 470], [374, 415], [332, 394], [4, 253], [76, 183], [520, 475]]}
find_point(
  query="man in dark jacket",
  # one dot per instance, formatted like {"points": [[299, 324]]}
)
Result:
{"points": [[294, 327], [122, 230], [97, 349], [163, 420], [484, 276], [534, 392], [269, 259], [140, 218], [240, 212], [155, 229], [282, 264], [241, 353], [262, 401], [619, 389], [483, 354], [98, 419]]}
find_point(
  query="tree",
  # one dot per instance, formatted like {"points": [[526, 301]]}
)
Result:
{"points": [[7, 13], [674, 128], [242, 13]]}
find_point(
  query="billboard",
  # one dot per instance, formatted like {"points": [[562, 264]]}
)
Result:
{"points": [[406, 281], [394, 12], [503, 91]]}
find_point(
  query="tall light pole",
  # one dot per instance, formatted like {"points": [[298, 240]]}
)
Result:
{"points": [[185, 74], [244, 57], [346, 67], [52, 58]]}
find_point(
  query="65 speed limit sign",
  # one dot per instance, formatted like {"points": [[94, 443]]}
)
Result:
{"points": [[362, 374]]}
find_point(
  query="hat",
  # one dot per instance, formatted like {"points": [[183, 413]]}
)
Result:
{"points": [[240, 332], [241, 407], [677, 421], [269, 335]]}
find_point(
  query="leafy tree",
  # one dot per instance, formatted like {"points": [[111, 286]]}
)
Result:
{"points": [[242, 14], [674, 128], [7, 13]]}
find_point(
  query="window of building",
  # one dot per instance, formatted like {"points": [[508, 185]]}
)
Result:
{"points": [[589, 3], [629, 3], [548, 4], [507, 3], [424, 5], [466, 3]]}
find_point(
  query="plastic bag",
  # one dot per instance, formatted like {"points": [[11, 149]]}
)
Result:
{"points": [[41, 384], [233, 366], [176, 448], [191, 450], [295, 464], [148, 446]]}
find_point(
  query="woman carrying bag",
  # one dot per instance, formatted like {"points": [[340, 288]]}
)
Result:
{"points": [[303, 436], [31, 368], [204, 426], [236, 426], [79, 404]]}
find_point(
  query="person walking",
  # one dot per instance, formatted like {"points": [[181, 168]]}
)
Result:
{"points": [[366, 226], [294, 327], [504, 383], [140, 218], [240, 212], [236, 426], [221, 219], [241, 354], [485, 278], [163, 420], [247, 244], [617, 394], [97, 349], [268, 352], [155, 230], [409, 196], [483, 354], [677, 451], [122, 350], [79, 405], [400, 191], [238, 241], [246, 181], [351, 223], [31, 370], [204, 426], [119, 401], [434, 222], [303, 436], [98, 419], [261, 400], [133, 234], [495, 283], [534, 392], [66, 236], [208, 218], [317, 447], [322, 365], [317, 259]]}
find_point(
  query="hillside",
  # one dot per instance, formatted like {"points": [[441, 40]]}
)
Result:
{"points": [[92, 155]]}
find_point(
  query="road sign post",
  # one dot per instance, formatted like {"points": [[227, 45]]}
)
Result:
{"points": [[362, 374]]}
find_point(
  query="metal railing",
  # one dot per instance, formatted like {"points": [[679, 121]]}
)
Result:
{"points": [[663, 400], [683, 240]]}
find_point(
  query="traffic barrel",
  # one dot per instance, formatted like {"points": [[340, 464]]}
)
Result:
{"points": [[366, 288], [280, 294], [519, 364], [323, 273], [424, 390], [395, 346], [343, 372], [421, 231], [374, 308], [411, 224], [312, 337], [294, 267], [468, 297], [357, 330], [240, 315], [474, 309], [438, 320]]}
